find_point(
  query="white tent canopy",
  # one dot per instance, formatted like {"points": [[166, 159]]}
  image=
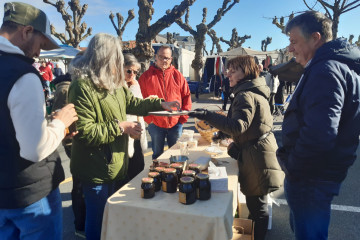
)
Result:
{"points": [[62, 53], [247, 51]]}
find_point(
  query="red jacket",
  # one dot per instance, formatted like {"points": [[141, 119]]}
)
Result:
{"points": [[46, 73], [169, 85]]}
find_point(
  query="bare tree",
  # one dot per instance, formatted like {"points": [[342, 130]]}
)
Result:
{"points": [[201, 30], [235, 40], [265, 43], [75, 30], [351, 38], [282, 24], [120, 20], [358, 41], [146, 32], [334, 10], [215, 41], [170, 38]]}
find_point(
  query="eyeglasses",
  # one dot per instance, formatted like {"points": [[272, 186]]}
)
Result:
{"points": [[162, 58], [132, 71]]}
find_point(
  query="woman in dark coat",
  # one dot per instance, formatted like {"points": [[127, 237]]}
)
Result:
{"points": [[249, 123]]}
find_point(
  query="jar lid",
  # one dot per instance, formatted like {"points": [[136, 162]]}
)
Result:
{"points": [[147, 180], [176, 165], [186, 179], [202, 176], [153, 174], [189, 172], [170, 170], [163, 164], [193, 165], [159, 169]]}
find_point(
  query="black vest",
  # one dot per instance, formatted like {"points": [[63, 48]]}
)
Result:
{"points": [[22, 182]]}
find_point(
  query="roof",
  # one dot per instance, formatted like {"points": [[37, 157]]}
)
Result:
{"points": [[248, 51]]}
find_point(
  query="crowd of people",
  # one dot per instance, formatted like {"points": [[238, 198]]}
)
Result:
{"points": [[100, 115]]}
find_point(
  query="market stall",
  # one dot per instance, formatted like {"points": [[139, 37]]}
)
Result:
{"points": [[128, 216]]}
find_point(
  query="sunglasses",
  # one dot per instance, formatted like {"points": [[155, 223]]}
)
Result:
{"points": [[132, 71]]}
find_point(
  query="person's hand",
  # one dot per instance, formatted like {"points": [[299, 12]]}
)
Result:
{"points": [[152, 97], [199, 113], [171, 105], [133, 129], [67, 115], [70, 135]]}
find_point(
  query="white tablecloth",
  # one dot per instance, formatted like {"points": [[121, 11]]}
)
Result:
{"points": [[128, 216]]}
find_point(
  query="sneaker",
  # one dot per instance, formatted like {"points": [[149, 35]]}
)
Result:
{"points": [[80, 234]]}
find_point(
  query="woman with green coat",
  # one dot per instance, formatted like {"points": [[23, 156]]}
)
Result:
{"points": [[99, 156], [249, 124]]}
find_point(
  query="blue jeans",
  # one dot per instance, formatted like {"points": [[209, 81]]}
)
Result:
{"points": [[48, 85], [158, 135], [96, 196], [40, 220], [310, 207]]}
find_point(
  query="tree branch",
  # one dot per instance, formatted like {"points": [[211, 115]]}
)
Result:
{"points": [[221, 12], [168, 19]]}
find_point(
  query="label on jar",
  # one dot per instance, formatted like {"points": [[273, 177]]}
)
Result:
{"points": [[197, 193], [164, 186], [142, 193], [182, 197]]}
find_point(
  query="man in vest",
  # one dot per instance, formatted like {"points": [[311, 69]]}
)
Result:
{"points": [[30, 173]]}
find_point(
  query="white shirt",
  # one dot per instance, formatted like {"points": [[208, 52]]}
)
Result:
{"points": [[37, 139]]}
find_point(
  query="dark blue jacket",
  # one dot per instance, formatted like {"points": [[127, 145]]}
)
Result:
{"points": [[321, 127], [22, 182]]}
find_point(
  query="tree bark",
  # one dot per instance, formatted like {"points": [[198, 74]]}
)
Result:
{"points": [[201, 30], [335, 11], [146, 32], [73, 26]]}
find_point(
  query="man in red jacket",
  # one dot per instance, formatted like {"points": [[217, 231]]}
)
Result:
{"points": [[164, 81], [46, 73]]}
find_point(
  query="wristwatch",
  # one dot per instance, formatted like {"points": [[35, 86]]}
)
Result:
{"points": [[121, 128]]}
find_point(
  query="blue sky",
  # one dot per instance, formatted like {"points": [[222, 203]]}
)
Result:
{"points": [[251, 17]]}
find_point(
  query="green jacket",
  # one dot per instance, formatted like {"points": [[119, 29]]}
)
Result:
{"points": [[249, 119], [99, 150]]}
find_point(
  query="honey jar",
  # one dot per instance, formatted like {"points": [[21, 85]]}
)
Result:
{"points": [[203, 187], [195, 167], [147, 188], [169, 180], [189, 173], [178, 167], [187, 193], [157, 180]]}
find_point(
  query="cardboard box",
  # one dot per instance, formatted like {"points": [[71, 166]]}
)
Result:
{"points": [[242, 208], [243, 229], [244, 211]]}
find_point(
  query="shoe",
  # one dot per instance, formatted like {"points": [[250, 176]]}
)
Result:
{"points": [[80, 234]]}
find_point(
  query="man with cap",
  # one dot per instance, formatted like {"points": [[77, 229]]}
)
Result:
{"points": [[31, 171]]}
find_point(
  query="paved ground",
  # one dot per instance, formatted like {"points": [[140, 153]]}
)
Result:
{"points": [[346, 207]]}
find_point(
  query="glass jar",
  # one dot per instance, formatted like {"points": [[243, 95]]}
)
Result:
{"points": [[147, 188], [169, 180], [155, 163], [161, 171], [189, 173], [164, 164], [157, 180], [195, 167], [203, 187], [187, 193], [179, 168]]}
